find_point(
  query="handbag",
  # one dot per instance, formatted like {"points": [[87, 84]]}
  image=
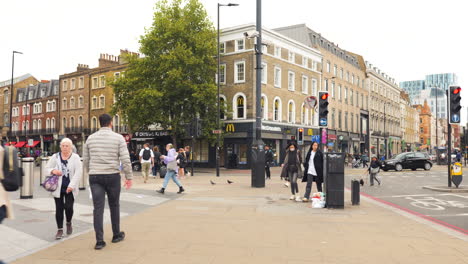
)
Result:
{"points": [[374, 170], [50, 183]]}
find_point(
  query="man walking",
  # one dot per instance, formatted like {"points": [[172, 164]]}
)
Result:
{"points": [[103, 153], [146, 160], [268, 161], [188, 159]]}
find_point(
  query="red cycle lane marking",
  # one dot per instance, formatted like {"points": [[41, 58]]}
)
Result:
{"points": [[431, 219]]}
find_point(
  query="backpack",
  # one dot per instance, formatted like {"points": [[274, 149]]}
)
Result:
{"points": [[12, 174], [146, 154]]}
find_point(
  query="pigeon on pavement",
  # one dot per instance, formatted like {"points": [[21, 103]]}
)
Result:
{"points": [[212, 182], [228, 181]]}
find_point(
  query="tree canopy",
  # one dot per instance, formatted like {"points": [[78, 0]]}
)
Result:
{"points": [[172, 81]]}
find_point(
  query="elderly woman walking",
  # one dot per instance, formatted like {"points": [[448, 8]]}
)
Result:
{"points": [[67, 165]]}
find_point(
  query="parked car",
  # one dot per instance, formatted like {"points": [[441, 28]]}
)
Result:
{"points": [[433, 157], [408, 160], [136, 165]]}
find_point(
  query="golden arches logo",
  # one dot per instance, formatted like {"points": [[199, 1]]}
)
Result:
{"points": [[230, 128]]}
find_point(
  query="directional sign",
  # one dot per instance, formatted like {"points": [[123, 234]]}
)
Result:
{"points": [[455, 118], [216, 131]]}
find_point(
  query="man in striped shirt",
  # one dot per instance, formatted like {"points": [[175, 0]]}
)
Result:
{"points": [[103, 153]]}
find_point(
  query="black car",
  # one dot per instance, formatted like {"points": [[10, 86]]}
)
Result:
{"points": [[408, 160], [136, 165]]}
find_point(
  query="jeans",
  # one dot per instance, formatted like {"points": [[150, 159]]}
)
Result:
{"points": [[171, 174], [64, 203], [293, 180], [267, 171], [310, 179], [145, 170], [100, 186], [156, 168], [372, 177]]}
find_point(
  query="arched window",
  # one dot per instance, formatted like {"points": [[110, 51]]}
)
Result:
{"points": [[264, 103], [304, 114], [64, 124], [5, 118], [94, 103], [72, 122], [102, 101], [80, 101], [239, 106], [291, 112], [116, 123], [277, 109], [72, 103], [47, 124], [34, 124], [52, 123], [222, 104], [80, 122], [39, 124], [64, 104], [27, 124], [6, 95], [94, 123]]}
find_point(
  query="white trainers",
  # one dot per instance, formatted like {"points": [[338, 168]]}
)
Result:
{"points": [[286, 184], [298, 198], [292, 197]]}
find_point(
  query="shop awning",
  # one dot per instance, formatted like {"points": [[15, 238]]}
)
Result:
{"points": [[35, 142], [10, 143], [20, 144]]}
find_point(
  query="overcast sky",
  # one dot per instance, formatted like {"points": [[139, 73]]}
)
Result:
{"points": [[405, 39]]}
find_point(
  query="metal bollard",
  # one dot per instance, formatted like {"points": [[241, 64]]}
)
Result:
{"points": [[26, 191], [44, 161], [84, 178]]}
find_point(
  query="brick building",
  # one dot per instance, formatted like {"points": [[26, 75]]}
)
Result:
{"points": [[291, 72], [426, 121], [5, 98], [409, 123], [344, 75], [35, 114]]}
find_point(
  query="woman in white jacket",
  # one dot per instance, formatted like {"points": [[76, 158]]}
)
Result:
{"points": [[67, 165]]}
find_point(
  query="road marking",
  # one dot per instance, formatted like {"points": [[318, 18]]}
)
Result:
{"points": [[404, 176], [81, 212]]}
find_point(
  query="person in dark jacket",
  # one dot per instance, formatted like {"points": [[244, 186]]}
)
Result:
{"points": [[374, 169], [313, 170], [268, 161], [292, 168]]}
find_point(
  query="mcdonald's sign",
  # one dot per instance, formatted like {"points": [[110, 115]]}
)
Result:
{"points": [[230, 128]]}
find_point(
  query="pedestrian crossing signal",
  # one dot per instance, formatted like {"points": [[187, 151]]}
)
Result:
{"points": [[323, 109]]}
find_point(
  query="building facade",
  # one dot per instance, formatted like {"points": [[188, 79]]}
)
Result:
{"points": [[343, 76], [426, 121], [6, 97], [385, 112], [290, 73], [409, 124]]}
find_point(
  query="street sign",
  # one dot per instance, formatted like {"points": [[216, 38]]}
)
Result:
{"points": [[323, 122], [456, 118], [310, 102], [216, 131], [30, 142]]}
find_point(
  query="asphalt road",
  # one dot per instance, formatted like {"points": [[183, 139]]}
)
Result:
{"points": [[404, 190]]}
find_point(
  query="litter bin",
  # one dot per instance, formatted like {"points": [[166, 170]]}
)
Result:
{"points": [[42, 174], [334, 180], [26, 191], [84, 178]]}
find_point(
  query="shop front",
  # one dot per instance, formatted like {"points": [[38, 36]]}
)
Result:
{"points": [[159, 138]]}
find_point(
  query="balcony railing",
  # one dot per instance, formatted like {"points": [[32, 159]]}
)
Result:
{"points": [[32, 132]]}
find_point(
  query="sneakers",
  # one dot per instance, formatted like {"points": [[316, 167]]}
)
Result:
{"points": [[69, 228], [59, 234], [286, 184], [292, 197], [305, 200], [119, 237], [100, 245], [181, 189], [161, 191], [298, 198]]}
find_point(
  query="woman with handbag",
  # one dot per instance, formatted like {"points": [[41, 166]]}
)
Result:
{"points": [[313, 170], [292, 168], [69, 169], [374, 169]]}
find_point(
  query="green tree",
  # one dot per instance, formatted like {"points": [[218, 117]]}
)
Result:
{"points": [[173, 81]]}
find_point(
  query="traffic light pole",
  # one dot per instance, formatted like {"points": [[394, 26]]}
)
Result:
{"points": [[449, 137]]}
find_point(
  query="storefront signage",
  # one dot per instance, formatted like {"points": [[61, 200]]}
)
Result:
{"points": [[150, 134], [271, 128], [310, 132], [316, 138], [332, 137], [230, 128]]}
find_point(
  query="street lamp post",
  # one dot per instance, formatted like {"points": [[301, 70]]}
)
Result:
{"points": [[437, 123], [385, 130], [11, 90], [218, 123], [258, 153]]}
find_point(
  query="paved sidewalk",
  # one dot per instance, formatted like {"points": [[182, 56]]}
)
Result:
{"points": [[234, 223]]}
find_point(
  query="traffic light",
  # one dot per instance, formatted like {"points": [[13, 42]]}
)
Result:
{"points": [[323, 109], [454, 104], [300, 136]]}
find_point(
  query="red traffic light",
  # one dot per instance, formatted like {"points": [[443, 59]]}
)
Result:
{"points": [[301, 130], [324, 96], [456, 90]]}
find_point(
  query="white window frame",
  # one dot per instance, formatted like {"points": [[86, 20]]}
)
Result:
{"points": [[264, 72], [277, 51], [265, 107], [95, 82], [291, 81], [64, 85], [222, 68], [234, 105], [101, 78], [305, 61], [292, 116], [80, 101], [104, 100], [236, 80], [64, 103], [280, 106], [291, 56], [314, 87], [72, 102], [72, 84], [328, 66], [81, 82], [305, 84], [277, 77], [237, 44], [223, 49], [94, 102]]}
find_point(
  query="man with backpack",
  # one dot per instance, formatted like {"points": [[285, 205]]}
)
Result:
{"points": [[146, 161]]}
